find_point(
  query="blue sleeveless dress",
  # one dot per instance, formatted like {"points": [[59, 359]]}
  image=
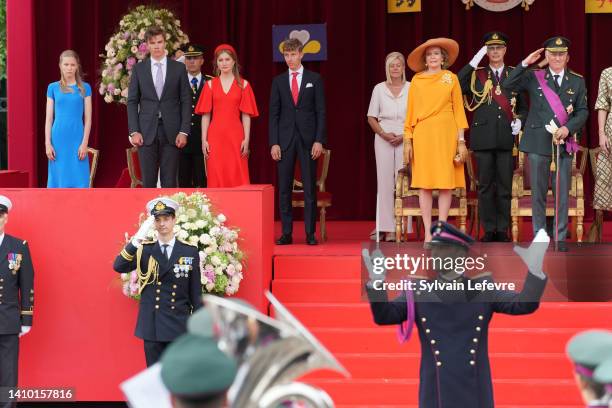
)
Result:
{"points": [[66, 136]]}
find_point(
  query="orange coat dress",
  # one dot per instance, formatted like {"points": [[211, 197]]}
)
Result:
{"points": [[433, 117], [225, 167]]}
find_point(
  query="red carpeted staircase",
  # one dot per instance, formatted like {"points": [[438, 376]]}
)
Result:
{"points": [[528, 362]]}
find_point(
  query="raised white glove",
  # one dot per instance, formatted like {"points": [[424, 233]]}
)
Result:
{"points": [[181, 59], [533, 256], [478, 57], [551, 127], [144, 228], [376, 270], [25, 330], [516, 126]]}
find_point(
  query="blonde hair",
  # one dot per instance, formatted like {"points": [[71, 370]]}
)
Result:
{"points": [[444, 53], [235, 69], [77, 75], [389, 59]]}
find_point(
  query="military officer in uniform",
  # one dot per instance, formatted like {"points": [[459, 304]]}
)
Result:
{"points": [[191, 164], [556, 94], [453, 325], [590, 350], [16, 298], [603, 375], [498, 115], [168, 277]]}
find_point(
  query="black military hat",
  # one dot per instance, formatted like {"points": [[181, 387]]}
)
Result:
{"points": [[162, 206], [495, 38], [443, 232], [193, 50], [557, 44]]}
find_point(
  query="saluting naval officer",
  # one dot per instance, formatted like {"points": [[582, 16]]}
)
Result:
{"points": [[591, 353], [16, 298], [191, 164], [453, 325], [168, 278], [556, 94], [498, 115]]}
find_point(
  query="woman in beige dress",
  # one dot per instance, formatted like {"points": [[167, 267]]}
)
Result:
{"points": [[602, 198]]}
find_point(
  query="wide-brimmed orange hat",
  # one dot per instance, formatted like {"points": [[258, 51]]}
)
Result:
{"points": [[416, 62]]}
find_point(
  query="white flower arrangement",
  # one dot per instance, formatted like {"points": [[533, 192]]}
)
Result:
{"points": [[221, 260], [127, 47]]}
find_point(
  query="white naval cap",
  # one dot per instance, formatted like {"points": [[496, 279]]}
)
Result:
{"points": [[162, 206], [5, 204]]}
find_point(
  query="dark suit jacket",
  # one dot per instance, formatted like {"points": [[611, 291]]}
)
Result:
{"points": [[572, 92], [166, 303], [454, 333], [307, 117], [490, 126], [143, 104], [17, 289]]}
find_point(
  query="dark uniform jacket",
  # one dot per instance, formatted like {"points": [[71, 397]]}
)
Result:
{"points": [[194, 141], [16, 285], [453, 330], [572, 92], [167, 302], [490, 125]]}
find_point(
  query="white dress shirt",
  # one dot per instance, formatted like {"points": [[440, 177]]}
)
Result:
{"points": [[1, 238], [561, 74], [198, 77], [498, 70], [300, 72], [170, 246], [164, 68]]}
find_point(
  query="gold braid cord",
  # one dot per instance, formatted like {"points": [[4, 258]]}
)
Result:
{"points": [[478, 98], [152, 271]]}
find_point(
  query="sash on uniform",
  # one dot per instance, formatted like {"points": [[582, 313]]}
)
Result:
{"points": [[500, 99], [404, 331], [554, 101]]}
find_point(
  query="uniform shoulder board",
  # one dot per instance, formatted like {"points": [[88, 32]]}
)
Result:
{"points": [[477, 68], [25, 242], [575, 73], [511, 67], [482, 275], [186, 242], [148, 242], [208, 77]]}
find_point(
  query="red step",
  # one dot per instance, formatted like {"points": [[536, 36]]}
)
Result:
{"points": [[550, 315]]}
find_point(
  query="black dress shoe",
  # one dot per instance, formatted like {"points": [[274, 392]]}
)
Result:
{"points": [[285, 239], [502, 237], [562, 246], [488, 237], [311, 240]]}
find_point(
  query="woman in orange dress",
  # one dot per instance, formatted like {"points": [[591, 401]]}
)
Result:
{"points": [[434, 127], [230, 101]]}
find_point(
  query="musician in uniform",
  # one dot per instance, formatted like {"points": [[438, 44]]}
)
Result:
{"points": [[498, 115], [168, 277], [191, 164], [16, 298], [453, 325], [558, 95], [590, 351]]}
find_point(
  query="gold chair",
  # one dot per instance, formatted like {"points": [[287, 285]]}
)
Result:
{"points": [[521, 195], [472, 195], [134, 167], [596, 230], [407, 203], [324, 198], [92, 155]]}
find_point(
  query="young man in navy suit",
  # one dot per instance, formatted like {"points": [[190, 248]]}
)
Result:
{"points": [[297, 129]]}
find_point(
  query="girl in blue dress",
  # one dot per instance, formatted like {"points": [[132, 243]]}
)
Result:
{"points": [[67, 125]]}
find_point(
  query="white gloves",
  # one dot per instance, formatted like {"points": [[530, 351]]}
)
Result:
{"points": [[25, 330], [142, 231], [516, 126], [478, 57], [551, 127], [533, 256], [376, 272]]}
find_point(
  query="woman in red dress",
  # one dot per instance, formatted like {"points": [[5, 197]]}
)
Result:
{"points": [[229, 99]]}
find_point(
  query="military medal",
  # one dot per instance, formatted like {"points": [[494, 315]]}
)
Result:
{"points": [[498, 90], [14, 261]]}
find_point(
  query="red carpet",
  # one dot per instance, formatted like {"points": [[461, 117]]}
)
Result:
{"points": [[321, 286]]}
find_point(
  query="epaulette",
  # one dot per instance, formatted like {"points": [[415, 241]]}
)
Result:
{"points": [[575, 73], [482, 275], [148, 242], [477, 68], [186, 242], [208, 77], [25, 242], [511, 67]]}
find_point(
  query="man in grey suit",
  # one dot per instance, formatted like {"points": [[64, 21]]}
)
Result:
{"points": [[159, 112]]}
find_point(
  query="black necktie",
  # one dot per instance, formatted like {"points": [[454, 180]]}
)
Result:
{"points": [[497, 76], [556, 81], [165, 250]]}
